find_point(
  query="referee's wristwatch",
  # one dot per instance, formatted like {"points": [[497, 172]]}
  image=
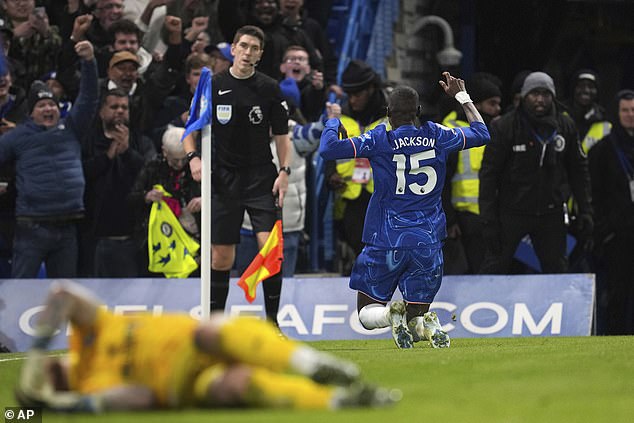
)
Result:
{"points": [[285, 169], [191, 155]]}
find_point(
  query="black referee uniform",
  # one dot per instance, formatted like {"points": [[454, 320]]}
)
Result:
{"points": [[246, 112]]}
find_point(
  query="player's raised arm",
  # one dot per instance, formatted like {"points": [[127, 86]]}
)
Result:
{"points": [[455, 87], [331, 147]]}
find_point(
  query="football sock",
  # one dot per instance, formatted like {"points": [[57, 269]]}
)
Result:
{"points": [[375, 316], [272, 288], [416, 327], [219, 289], [256, 342], [281, 390], [414, 309]]}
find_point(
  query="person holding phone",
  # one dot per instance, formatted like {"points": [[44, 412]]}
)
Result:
{"points": [[35, 43]]}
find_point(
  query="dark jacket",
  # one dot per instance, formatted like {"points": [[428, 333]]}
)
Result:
{"points": [[148, 96], [516, 179], [182, 187], [16, 109], [49, 177], [109, 181], [611, 198]]}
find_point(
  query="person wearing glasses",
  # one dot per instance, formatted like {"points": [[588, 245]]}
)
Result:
{"points": [[310, 83], [108, 12]]}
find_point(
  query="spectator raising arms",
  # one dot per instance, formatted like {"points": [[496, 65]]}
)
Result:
{"points": [[50, 182]]}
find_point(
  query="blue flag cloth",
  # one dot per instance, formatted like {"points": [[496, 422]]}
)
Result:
{"points": [[4, 68], [200, 109]]}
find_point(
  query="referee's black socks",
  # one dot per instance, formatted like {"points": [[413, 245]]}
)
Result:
{"points": [[272, 288], [219, 289]]}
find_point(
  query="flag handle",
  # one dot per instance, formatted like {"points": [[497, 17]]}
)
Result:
{"points": [[205, 241]]}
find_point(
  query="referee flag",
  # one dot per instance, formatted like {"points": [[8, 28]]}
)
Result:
{"points": [[200, 109], [268, 262]]}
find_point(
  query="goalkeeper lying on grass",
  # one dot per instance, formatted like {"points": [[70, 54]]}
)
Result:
{"points": [[141, 362]]}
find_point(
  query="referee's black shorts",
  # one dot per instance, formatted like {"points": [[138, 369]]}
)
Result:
{"points": [[236, 190]]}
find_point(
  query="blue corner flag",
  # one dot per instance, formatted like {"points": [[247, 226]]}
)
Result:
{"points": [[200, 109]]}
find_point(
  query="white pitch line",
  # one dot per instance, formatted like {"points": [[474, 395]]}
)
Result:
{"points": [[12, 359], [25, 357]]}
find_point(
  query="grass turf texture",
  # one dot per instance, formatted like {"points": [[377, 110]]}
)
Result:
{"points": [[582, 379]]}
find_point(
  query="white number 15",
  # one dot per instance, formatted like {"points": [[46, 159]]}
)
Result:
{"points": [[415, 169]]}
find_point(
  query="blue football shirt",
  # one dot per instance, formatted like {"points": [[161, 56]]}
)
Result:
{"points": [[409, 168]]}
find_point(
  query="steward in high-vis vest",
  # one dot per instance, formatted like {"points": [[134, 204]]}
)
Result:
{"points": [[352, 179], [462, 185], [356, 173]]}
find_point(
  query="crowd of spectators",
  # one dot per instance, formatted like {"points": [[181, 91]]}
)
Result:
{"points": [[148, 57]]}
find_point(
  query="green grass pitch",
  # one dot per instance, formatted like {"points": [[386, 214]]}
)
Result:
{"points": [[581, 379]]}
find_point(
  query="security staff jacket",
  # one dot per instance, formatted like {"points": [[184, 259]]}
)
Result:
{"points": [[526, 173]]}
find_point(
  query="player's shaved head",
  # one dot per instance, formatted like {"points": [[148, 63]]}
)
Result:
{"points": [[402, 105]]}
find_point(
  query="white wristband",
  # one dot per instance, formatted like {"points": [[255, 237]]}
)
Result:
{"points": [[463, 97]]}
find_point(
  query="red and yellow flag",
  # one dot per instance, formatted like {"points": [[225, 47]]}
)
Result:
{"points": [[268, 262]]}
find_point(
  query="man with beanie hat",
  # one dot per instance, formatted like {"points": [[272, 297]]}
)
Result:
{"points": [[538, 80], [357, 76], [365, 108], [463, 248], [50, 180], [534, 155], [39, 91]]}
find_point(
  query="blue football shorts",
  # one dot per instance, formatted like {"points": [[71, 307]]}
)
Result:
{"points": [[416, 272]]}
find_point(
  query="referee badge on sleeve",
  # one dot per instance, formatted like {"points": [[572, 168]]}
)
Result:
{"points": [[223, 113]]}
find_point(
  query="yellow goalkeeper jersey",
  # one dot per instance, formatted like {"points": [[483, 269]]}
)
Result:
{"points": [[141, 349]]}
